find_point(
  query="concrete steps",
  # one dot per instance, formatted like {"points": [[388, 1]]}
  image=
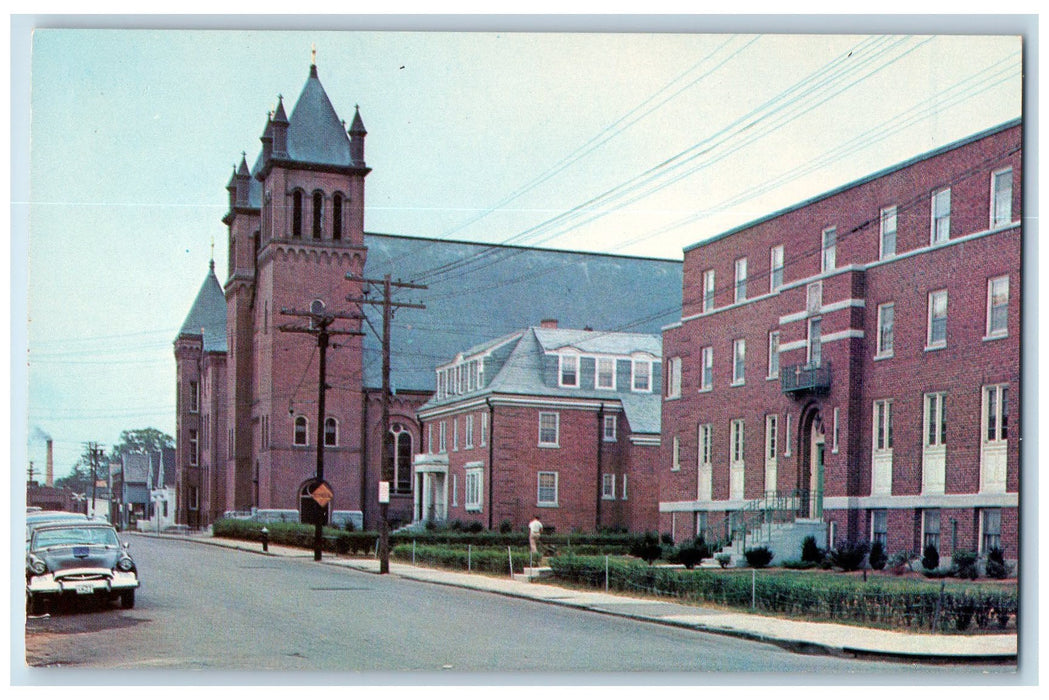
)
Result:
{"points": [[534, 573]]}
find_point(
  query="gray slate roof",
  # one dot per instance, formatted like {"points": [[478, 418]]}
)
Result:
{"points": [[208, 314], [315, 133]]}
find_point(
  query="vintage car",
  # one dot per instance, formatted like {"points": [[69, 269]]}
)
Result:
{"points": [[78, 561]]}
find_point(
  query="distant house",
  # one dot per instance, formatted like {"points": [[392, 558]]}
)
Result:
{"points": [[162, 492], [559, 423], [129, 484]]}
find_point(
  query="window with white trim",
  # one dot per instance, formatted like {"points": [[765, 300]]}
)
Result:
{"points": [[739, 356], [815, 342], [674, 377], [473, 498], [455, 490], [931, 528], [771, 423], [990, 529], [773, 354], [880, 526], [996, 413], [829, 248], [941, 216], [442, 437], [675, 463], [937, 331], [549, 429], [741, 280], [935, 419], [301, 434], [399, 450], [331, 432], [706, 433], [546, 489], [455, 434], [623, 497], [886, 323], [882, 426], [429, 438], [1001, 197], [569, 370], [775, 268], [706, 382], [998, 307], [708, 290], [605, 373], [608, 487], [814, 297], [469, 434], [194, 397], [484, 429], [194, 444], [887, 248], [609, 428], [642, 375], [737, 440]]}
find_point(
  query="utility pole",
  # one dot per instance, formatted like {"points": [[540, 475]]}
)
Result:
{"points": [[94, 453], [319, 326], [389, 307]]}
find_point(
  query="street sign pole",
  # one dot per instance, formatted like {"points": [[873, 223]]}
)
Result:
{"points": [[384, 528]]}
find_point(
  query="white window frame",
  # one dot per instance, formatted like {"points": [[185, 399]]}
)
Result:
{"points": [[775, 268], [429, 438], [708, 290], [442, 437], [934, 425], [194, 397], [635, 375], [991, 429], [739, 361], [484, 429], [986, 542], [706, 375], [473, 496], [773, 367], [880, 534], [886, 331], [194, 446], [736, 441], [568, 363], [609, 428], [941, 213], [332, 420], [1001, 200], [623, 497], [468, 438], [929, 537], [455, 434], [675, 458], [608, 487], [740, 280], [935, 298], [455, 490], [673, 377], [828, 249], [992, 331], [814, 342], [556, 442], [813, 297], [305, 431], [888, 216], [705, 451], [881, 437], [539, 500], [611, 385], [771, 437]]}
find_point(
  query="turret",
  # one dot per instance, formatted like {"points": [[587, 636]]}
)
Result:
{"points": [[267, 139], [357, 134], [243, 178], [279, 125]]}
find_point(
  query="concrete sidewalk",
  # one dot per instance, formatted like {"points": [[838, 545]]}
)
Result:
{"points": [[807, 637]]}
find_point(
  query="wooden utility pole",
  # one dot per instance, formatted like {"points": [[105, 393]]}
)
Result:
{"points": [[389, 307], [94, 456], [319, 326]]}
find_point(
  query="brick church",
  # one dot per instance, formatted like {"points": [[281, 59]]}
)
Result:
{"points": [[247, 392]]}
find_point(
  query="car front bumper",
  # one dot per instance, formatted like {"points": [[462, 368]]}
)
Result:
{"points": [[82, 582]]}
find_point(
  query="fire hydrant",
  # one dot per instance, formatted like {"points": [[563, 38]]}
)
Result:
{"points": [[265, 539]]}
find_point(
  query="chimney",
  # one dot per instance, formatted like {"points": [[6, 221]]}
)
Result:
{"points": [[548, 323], [49, 474]]}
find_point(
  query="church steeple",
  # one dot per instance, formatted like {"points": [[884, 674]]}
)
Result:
{"points": [[357, 133], [279, 125]]}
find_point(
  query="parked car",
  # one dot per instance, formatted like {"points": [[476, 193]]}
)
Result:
{"points": [[78, 561], [45, 517]]}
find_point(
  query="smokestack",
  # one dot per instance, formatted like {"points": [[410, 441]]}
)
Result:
{"points": [[548, 323], [49, 474]]}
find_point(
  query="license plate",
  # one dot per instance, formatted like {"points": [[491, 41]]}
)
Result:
{"points": [[85, 588]]}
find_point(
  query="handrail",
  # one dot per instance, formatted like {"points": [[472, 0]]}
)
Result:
{"points": [[773, 507]]}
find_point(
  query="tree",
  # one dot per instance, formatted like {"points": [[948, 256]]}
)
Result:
{"points": [[79, 478], [141, 440]]}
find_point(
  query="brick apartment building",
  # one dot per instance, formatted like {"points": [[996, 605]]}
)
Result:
{"points": [[554, 422], [246, 415], [855, 359]]}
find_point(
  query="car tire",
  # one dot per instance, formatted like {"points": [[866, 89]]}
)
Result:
{"points": [[35, 605], [127, 600]]}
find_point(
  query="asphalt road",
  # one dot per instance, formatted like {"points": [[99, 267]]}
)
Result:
{"points": [[208, 608]]}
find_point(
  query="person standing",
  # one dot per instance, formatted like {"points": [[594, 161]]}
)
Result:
{"points": [[535, 529]]}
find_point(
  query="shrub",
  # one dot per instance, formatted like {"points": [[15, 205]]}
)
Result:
{"points": [[692, 554], [646, 547], [798, 564], [810, 551], [506, 527], [475, 527], [996, 566], [963, 563], [900, 562], [877, 557], [723, 559], [666, 538], [758, 557], [849, 555], [930, 558]]}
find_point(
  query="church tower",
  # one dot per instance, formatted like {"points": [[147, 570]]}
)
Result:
{"points": [[296, 229]]}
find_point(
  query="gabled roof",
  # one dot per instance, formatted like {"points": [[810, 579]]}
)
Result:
{"points": [[598, 342], [208, 314], [136, 468], [315, 133]]}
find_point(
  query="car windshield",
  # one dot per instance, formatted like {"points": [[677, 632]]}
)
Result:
{"points": [[70, 536]]}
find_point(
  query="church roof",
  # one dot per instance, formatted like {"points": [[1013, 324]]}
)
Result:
{"points": [[208, 314], [315, 133]]}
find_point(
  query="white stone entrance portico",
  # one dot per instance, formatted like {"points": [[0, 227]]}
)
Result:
{"points": [[431, 488]]}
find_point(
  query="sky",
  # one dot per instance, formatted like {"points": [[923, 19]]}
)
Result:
{"points": [[637, 144]]}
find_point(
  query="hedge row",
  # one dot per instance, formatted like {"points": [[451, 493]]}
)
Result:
{"points": [[899, 604], [494, 560]]}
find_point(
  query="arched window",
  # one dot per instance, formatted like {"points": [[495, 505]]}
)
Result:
{"points": [[331, 432], [301, 430], [296, 214], [318, 212], [399, 454], [336, 217]]}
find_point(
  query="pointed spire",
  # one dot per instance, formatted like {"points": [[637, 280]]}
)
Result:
{"points": [[279, 124], [267, 138], [357, 133]]}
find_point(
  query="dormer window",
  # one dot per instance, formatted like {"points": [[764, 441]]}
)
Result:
{"points": [[606, 373], [569, 370], [642, 375]]}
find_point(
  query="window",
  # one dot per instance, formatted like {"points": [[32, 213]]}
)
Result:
{"points": [[442, 437], [741, 280], [674, 378], [469, 431], [301, 430], [429, 438], [771, 423], [737, 440], [888, 233], [935, 419], [707, 379], [990, 529], [608, 487], [886, 313], [296, 214], [776, 268], [829, 248], [937, 336], [194, 397], [336, 217], [773, 354], [318, 213], [675, 463], [455, 490], [609, 430], [705, 434], [484, 429], [473, 498], [569, 370], [996, 413], [931, 528], [331, 432], [739, 356], [399, 454], [998, 307], [880, 527], [623, 497], [642, 380], [455, 434], [708, 290], [1001, 198], [606, 373], [815, 342], [941, 216], [194, 452], [882, 426], [549, 425], [814, 297], [546, 489], [194, 498]]}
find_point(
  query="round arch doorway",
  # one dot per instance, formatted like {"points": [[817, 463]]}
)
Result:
{"points": [[811, 460]]}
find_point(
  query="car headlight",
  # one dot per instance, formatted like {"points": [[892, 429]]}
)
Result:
{"points": [[37, 566], [125, 564]]}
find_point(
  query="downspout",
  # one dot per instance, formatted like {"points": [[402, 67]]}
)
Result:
{"points": [[491, 462], [600, 452]]}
